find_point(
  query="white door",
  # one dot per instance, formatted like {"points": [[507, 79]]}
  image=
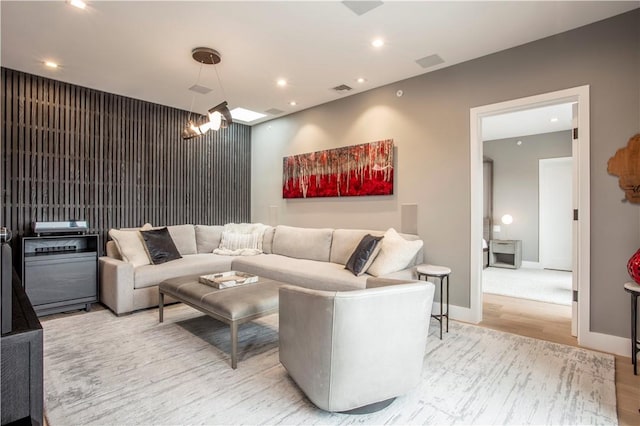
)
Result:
{"points": [[556, 213]]}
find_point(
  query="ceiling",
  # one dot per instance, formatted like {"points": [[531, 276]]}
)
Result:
{"points": [[143, 49], [535, 121]]}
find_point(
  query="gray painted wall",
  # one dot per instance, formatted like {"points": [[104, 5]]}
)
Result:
{"points": [[430, 126], [515, 183]]}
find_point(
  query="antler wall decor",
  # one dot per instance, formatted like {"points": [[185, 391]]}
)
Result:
{"points": [[626, 165]]}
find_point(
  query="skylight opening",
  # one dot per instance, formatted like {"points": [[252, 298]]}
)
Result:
{"points": [[246, 115], [78, 3]]}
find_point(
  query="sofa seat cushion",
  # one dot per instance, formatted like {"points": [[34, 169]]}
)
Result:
{"points": [[301, 272], [191, 264]]}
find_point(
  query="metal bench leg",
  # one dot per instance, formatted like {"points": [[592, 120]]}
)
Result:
{"points": [[161, 306], [234, 345]]}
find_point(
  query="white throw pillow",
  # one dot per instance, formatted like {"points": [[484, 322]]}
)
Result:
{"points": [[247, 228], [395, 254], [130, 245], [235, 241]]}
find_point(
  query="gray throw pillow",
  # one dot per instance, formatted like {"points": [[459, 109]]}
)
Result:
{"points": [[363, 255], [160, 246]]}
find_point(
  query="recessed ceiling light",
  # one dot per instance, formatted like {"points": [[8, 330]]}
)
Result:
{"points": [[554, 119], [361, 80], [246, 115], [293, 103], [50, 64], [78, 3], [378, 42], [282, 82]]}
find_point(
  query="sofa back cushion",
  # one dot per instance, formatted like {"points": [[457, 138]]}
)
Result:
{"points": [[184, 237], [208, 237], [267, 240], [345, 242], [112, 250], [303, 243], [130, 245]]}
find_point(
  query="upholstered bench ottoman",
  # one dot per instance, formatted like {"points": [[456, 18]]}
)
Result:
{"points": [[233, 306]]}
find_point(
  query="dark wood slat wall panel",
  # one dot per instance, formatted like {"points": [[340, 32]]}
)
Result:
{"points": [[70, 152]]}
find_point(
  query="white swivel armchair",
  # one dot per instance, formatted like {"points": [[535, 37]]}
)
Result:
{"points": [[355, 351]]}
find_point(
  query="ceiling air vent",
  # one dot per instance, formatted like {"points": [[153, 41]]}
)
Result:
{"points": [[430, 61], [274, 111], [200, 89], [342, 88]]}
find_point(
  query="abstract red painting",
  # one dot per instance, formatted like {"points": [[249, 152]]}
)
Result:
{"points": [[365, 169]]}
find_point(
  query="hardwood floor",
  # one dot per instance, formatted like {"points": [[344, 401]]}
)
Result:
{"points": [[551, 322]]}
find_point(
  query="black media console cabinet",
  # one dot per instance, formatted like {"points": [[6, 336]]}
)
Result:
{"points": [[21, 359], [60, 272]]}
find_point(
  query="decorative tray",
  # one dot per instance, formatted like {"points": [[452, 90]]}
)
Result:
{"points": [[228, 279]]}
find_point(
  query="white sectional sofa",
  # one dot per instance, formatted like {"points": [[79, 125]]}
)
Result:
{"points": [[306, 257]]}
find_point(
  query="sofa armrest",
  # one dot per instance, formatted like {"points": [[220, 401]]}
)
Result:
{"points": [[305, 329], [116, 284]]}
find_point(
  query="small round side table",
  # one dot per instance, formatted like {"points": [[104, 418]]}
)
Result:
{"points": [[634, 290], [442, 273]]}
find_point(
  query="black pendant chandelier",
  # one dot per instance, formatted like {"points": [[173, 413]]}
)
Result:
{"points": [[218, 117]]}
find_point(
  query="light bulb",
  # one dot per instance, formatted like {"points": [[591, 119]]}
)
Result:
{"points": [[204, 127], [215, 120], [507, 219], [195, 128]]}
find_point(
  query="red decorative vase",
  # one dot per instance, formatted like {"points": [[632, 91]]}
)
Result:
{"points": [[633, 267]]}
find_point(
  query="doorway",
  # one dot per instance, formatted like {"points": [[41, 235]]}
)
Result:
{"points": [[580, 258], [531, 154]]}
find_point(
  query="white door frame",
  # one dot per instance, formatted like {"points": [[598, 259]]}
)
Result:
{"points": [[583, 250]]}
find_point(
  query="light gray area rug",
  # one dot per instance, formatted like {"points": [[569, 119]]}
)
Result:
{"points": [[543, 285], [103, 369]]}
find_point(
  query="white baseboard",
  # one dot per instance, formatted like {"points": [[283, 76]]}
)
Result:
{"points": [[531, 265], [606, 343]]}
